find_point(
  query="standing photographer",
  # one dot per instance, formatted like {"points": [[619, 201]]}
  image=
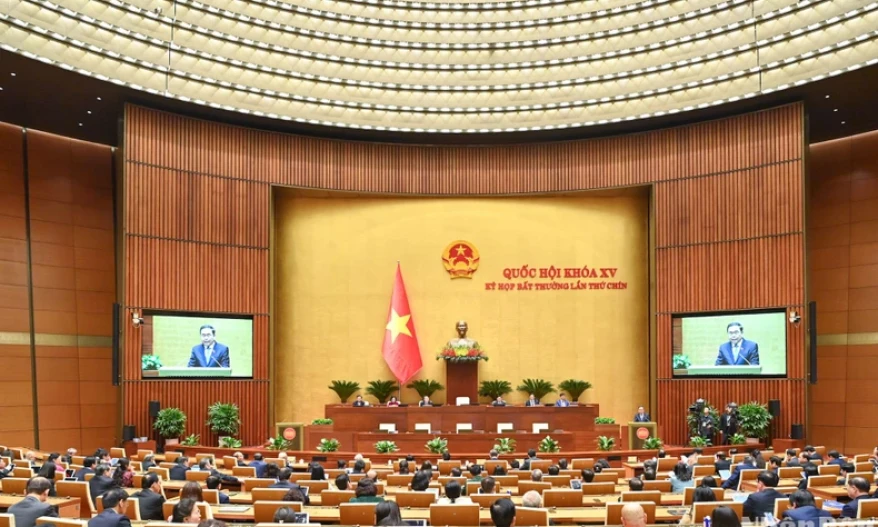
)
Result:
{"points": [[728, 423]]}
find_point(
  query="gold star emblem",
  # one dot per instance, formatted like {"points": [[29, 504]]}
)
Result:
{"points": [[461, 250], [398, 325]]}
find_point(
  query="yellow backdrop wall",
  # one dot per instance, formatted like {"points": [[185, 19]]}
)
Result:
{"points": [[335, 260]]}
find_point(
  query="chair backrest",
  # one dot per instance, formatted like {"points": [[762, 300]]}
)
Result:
{"points": [[654, 496], [446, 466], [257, 483], [689, 493], [614, 512], [868, 476], [531, 517], [14, 485], [661, 486], [562, 498], [419, 500], [164, 473], [486, 500], [705, 508], [542, 464], [580, 463], [492, 464], [703, 470], [167, 464], [199, 457], [867, 508], [598, 489], [822, 481], [443, 480], [203, 508], [76, 489], [7, 520], [197, 475], [229, 462], [25, 472], [781, 505], [460, 515], [539, 486], [666, 464], [65, 522], [606, 477], [210, 496], [399, 480], [117, 453], [141, 453], [132, 507], [738, 458], [332, 498], [472, 487], [356, 513], [557, 481], [705, 460], [866, 466], [789, 473], [266, 494], [749, 474], [263, 511], [314, 487], [506, 481], [824, 470], [247, 472]]}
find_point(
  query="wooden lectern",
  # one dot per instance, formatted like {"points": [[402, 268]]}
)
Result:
{"points": [[634, 442], [462, 380]]}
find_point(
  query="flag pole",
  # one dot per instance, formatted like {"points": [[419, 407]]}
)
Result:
{"points": [[398, 382]]}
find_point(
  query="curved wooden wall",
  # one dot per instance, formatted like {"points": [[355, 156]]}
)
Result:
{"points": [[729, 230]]}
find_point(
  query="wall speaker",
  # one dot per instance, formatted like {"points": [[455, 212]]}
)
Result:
{"points": [[116, 329], [797, 431], [812, 341], [154, 407], [128, 433], [774, 408]]}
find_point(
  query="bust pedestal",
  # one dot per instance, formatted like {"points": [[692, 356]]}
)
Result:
{"points": [[462, 380]]}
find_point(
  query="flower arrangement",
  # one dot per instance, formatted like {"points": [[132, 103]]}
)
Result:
{"points": [[328, 445], [462, 353]]}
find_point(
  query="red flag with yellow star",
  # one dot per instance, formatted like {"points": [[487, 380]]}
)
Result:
{"points": [[400, 350]]}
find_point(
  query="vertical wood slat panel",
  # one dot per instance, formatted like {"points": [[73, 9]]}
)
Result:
{"points": [[227, 162]]}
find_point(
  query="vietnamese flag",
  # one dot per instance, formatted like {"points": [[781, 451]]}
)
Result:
{"points": [[400, 350]]}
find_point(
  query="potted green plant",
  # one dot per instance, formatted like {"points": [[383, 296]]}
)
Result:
{"points": [[652, 443], [328, 445], [322, 421], [229, 442], [150, 362], [539, 388], [681, 362], [224, 419], [753, 420], [437, 445], [386, 447], [494, 389], [698, 442], [737, 439], [344, 389], [278, 443], [605, 443], [191, 440], [382, 390], [504, 445], [549, 445], [574, 388], [170, 424], [425, 387], [604, 421]]}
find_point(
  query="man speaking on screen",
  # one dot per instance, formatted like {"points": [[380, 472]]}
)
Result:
{"points": [[737, 351], [210, 353]]}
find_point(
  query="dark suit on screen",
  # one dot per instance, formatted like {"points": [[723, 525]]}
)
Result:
{"points": [[109, 518], [28, 510], [219, 358], [748, 354]]}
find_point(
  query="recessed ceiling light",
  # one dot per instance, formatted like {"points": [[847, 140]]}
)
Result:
{"points": [[827, 96], [835, 109], [843, 122], [12, 73], [99, 98], [1, 88], [88, 112], [80, 124]]}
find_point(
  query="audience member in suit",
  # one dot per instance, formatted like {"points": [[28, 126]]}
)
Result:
{"points": [[150, 498], [792, 459], [701, 494], [86, 468], [343, 482], [425, 401], [113, 515], [103, 457], [812, 453], [100, 483], [215, 483], [835, 458], [649, 474], [803, 509], [283, 482], [762, 501], [259, 465], [531, 456], [709, 481], [206, 466], [359, 467], [178, 471], [69, 457], [239, 459], [498, 401], [191, 490], [148, 462], [359, 402], [6, 469], [34, 504], [757, 458], [734, 478], [503, 513], [48, 471], [774, 463], [858, 489], [318, 474], [809, 470], [845, 469], [722, 462], [531, 401], [641, 416], [296, 495], [186, 511]]}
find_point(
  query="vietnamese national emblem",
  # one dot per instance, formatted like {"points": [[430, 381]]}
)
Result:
{"points": [[461, 259]]}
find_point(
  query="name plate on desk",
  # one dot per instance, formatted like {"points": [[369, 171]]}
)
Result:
{"points": [[182, 371], [721, 370]]}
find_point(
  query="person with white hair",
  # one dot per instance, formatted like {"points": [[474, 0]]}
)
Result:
{"points": [[532, 499], [633, 515], [536, 475]]}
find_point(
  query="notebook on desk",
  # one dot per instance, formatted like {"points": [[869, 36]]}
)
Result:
{"points": [[725, 474]]}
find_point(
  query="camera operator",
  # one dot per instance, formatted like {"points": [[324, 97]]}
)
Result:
{"points": [[728, 423]]}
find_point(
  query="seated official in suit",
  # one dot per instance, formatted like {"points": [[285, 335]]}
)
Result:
{"points": [[206, 466], [803, 509], [858, 489], [6, 469], [562, 401], [210, 353], [809, 470], [393, 402], [215, 483], [762, 501], [148, 462], [150, 498], [732, 482], [531, 456], [834, 458], [847, 468], [641, 416], [498, 401], [531, 401], [737, 351], [48, 471], [34, 504], [113, 515], [503, 513], [366, 492], [792, 458], [722, 462], [359, 402], [259, 464], [100, 483], [426, 401], [178, 471], [283, 482]]}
